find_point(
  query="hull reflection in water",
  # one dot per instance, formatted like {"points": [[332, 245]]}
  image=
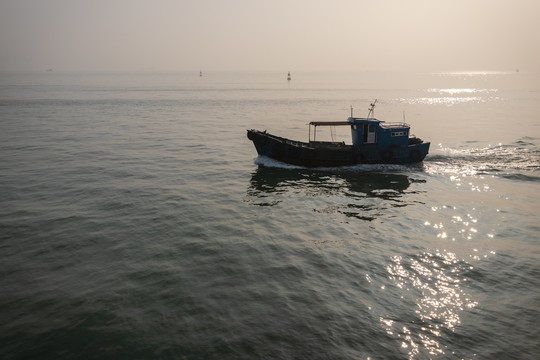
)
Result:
{"points": [[355, 193]]}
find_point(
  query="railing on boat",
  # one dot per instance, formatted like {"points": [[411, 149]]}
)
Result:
{"points": [[394, 125]]}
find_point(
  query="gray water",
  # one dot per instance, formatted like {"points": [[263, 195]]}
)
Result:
{"points": [[137, 221]]}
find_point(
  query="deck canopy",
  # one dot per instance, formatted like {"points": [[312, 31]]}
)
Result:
{"points": [[330, 123], [325, 123]]}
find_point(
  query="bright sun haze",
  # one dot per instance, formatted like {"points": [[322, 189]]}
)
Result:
{"points": [[238, 35]]}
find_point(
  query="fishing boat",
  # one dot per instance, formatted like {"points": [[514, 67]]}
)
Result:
{"points": [[373, 142]]}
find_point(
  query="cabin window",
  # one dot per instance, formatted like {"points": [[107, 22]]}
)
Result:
{"points": [[399, 133]]}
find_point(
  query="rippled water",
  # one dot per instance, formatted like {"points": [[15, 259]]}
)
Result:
{"points": [[138, 222]]}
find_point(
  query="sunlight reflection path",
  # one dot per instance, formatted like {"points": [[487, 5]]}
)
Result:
{"points": [[437, 279]]}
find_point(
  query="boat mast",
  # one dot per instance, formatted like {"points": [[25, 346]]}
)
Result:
{"points": [[372, 109]]}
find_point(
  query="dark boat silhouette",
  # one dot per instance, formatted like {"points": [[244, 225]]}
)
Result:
{"points": [[373, 142]]}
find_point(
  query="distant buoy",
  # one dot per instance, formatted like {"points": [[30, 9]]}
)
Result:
{"points": [[200, 73], [289, 76]]}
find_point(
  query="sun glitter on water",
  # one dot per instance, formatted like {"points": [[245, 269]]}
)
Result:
{"points": [[433, 280]]}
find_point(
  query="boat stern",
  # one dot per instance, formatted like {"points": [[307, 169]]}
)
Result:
{"points": [[418, 152]]}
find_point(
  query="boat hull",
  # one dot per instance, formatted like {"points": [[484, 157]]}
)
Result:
{"points": [[326, 154]]}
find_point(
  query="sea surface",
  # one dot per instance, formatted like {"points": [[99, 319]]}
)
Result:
{"points": [[138, 222]]}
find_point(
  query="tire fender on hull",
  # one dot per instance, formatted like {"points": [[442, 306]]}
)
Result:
{"points": [[415, 155], [387, 155]]}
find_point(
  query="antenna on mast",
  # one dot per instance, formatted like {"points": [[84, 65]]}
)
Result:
{"points": [[372, 109]]}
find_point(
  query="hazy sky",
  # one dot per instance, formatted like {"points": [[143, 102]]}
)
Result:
{"points": [[281, 35]]}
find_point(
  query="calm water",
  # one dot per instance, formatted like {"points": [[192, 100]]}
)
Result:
{"points": [[137, 221]]}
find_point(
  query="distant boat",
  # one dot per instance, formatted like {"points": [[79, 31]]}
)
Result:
{"points": [[289, 76], [373, 142]]}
